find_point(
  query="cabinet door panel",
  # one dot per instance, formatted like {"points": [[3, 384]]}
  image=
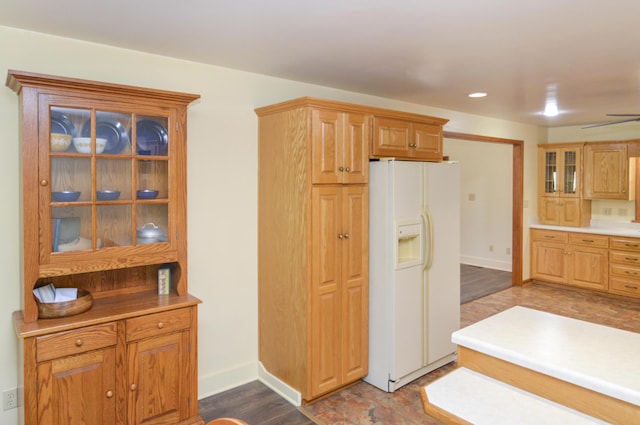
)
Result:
{"points": [[355, 289], [589, 267], [326, 146], [428, 141], [356, 148], [156, 384], [606, 172], [548, 210], [569, 212], [549, 262], [391, 137], [78, 390], [327, 237]]}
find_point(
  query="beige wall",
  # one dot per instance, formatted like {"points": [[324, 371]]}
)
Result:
{"points": [[221, 183]]}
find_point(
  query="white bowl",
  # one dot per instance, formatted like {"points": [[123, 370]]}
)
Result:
{"points": [[83, 144], [60, 142]]}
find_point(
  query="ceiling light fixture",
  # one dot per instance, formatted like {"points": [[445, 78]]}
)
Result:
{"points": [[551, 109], [477, 94]]}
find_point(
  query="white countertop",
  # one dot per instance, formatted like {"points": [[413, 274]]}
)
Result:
{"points": [[479, 399], [599, 228], [600, 358]]}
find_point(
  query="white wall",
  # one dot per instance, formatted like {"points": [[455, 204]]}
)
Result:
{"points": [[486, 201], [222, 185]]}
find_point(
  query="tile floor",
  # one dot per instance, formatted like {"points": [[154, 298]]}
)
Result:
{"points": [[363, 404]]}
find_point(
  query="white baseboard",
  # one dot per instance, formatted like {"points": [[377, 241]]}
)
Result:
{"points": [[285, 391], [486, 262], [218, 382]]}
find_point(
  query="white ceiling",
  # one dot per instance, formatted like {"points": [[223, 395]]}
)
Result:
{"points": [[586, 53]]}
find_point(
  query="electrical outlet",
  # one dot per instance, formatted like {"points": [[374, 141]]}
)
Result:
{"points": [[10, 399]]}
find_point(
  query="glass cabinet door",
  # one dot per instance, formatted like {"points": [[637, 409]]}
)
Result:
{"points": [[109, 179], [550, 172], [570, 170]]}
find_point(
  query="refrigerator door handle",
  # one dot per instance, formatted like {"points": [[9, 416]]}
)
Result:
{"points": [[427, 239]]}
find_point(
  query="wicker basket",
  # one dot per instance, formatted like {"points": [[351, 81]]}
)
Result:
{"points": [[66, 308]]}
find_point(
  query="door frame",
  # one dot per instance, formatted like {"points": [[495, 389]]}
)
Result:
{"points": [[517, 194]]}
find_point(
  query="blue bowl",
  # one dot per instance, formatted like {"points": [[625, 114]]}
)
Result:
{"points": [[65, 196], [147, 194], [107, 195]]}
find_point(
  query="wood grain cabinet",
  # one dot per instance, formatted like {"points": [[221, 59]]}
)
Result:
{"points": [[624, 264], [560, 200], [576, 259], [313, 244], [408, 138], [608, 173], [102, 165]]}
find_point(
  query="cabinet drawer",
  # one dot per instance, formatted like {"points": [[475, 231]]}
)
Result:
{"points": [[624, 287], [549, 235], [621, 257], [158, 324], [589, 239], [74, 342], [627, 244], [627, 272]]}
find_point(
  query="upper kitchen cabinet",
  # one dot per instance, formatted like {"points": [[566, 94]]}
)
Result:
{"points": [[407, 136], [608, 173], [559, 186], [339, 146], [104, 179]]}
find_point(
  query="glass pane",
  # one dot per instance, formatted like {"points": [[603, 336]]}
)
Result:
{"points": [[112, 132], [71, 229], [64, 126], [570, 168], [153, 179], [152, 137], [152, 223], [550, 176], [114, 225], [70, 179], [113, 179]]}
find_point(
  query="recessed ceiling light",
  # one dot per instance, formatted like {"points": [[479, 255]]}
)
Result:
{"points": [[477, 94]]}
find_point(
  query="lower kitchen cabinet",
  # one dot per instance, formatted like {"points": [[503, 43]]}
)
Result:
{"points": [[624, 264], [576, 259], [137, 370]]}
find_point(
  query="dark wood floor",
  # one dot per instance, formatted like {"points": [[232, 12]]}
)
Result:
{"points": [[477, 282], [257, 404]]}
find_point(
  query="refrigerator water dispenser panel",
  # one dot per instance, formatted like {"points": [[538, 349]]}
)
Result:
{"points": [[409, 245]]}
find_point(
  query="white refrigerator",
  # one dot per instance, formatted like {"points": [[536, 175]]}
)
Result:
{"points": [[414, 272]]}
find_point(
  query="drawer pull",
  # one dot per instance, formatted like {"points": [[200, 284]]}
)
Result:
{"points": [[133, 387], [631, 245], [160, 325], [630, 259], [631, 273], [549, 237], [631, 287], [588, 241], [109, 394], [79, 342]]}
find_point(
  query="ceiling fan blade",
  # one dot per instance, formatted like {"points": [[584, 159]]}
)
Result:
{"points": [[623, 115], [612, 122]]}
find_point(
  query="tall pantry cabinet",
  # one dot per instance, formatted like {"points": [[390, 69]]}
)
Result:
{"points": [[313, 244], [105, 214]]}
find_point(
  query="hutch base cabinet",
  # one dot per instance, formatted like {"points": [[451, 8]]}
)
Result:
{"points": [[104, 214]]}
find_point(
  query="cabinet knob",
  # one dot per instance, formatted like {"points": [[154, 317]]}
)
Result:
{"points": [[341, 169], [44, 183], [340, 236], [346, 236], [133, 387], [160, 325], [79, 342], [109, 394], [348, 170]]}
